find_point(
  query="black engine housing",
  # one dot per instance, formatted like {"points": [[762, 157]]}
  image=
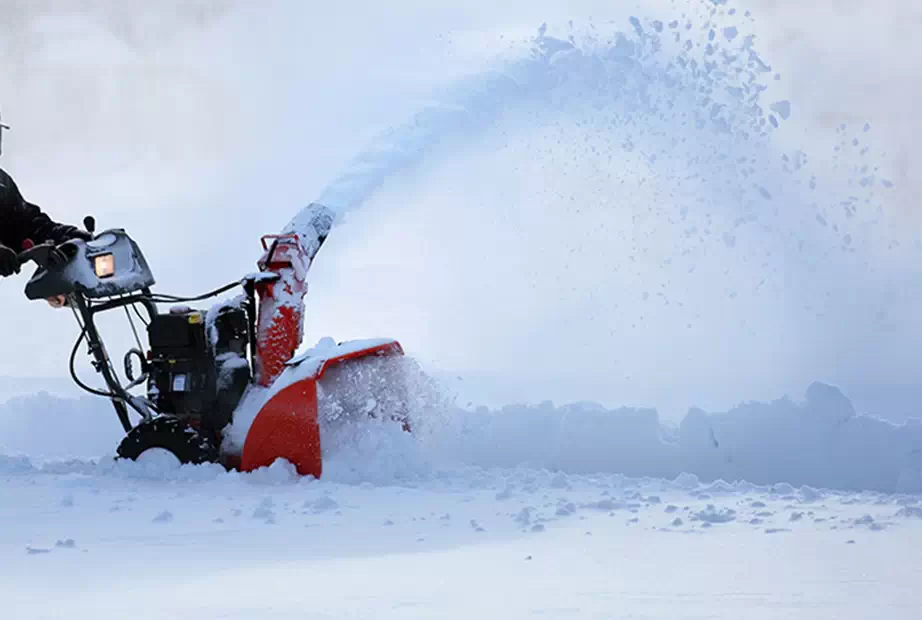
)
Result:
{"points": [[198, 366]]}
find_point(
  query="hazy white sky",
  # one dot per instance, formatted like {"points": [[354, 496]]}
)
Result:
{"points": [[200, 125]]}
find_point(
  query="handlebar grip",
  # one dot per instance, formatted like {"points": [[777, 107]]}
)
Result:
{"points": [[34, 252], [24, 256]]}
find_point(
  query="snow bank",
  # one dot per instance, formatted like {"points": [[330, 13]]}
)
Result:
{"points": [[820, 442], [49, 427]]}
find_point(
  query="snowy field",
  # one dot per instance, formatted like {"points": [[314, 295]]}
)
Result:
{"points": [[484, 515], [663, 257], [80, 541]]}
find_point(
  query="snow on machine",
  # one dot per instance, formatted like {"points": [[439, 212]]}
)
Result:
{"points": [[224, 384]]}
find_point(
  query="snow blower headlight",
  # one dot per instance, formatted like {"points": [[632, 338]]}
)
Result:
{"points": [[104, 265]]}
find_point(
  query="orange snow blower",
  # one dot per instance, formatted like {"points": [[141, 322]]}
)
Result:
{"points": [[224, 384]]}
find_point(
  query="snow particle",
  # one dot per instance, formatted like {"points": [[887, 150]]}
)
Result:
{"points": [[164, 517], [264, 510], [712, 515], [782, 108], [524, 516], [910, 512], [322, 504], [505, 494]]}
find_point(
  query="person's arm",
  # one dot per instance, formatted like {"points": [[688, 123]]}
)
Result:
{"points": [[23, 220], [36, 225]]}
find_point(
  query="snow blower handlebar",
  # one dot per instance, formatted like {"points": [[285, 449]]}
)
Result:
{"points": [[45, 255]]}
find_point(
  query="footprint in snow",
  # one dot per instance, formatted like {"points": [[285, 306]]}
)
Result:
{"points": [[164, 517]]}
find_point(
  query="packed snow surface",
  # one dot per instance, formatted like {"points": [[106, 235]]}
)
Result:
{"points": [[87, 541]]}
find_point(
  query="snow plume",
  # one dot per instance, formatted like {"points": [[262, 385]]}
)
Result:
{"points": [[633, 202], [626, 77]]}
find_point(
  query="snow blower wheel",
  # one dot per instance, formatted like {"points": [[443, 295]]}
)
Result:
{"points": [[171, 434]]}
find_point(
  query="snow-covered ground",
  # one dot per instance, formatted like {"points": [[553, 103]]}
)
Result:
{"points": [[82, 541]]}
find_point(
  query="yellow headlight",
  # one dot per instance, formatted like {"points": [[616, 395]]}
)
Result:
{"points": [[104, 266]]}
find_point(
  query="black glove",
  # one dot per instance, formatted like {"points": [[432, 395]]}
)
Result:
{"points": [[9, 261], [76, 233]]}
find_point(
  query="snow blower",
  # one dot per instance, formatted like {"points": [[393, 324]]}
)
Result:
{"points": [[210, 375]]}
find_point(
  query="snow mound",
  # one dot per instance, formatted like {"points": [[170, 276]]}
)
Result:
{"points": [[48, 427], [795, 447], [819, 443]]}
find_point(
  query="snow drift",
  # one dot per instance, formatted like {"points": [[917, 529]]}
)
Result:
{"points": [[820, 442]]}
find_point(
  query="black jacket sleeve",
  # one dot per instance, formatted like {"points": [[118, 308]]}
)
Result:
{"points": [[21, 220]]}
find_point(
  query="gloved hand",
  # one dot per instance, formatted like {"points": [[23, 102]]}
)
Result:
{"points": [[9, 261], [76, 233]]}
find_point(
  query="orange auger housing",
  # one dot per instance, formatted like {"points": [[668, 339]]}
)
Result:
{"points": [[287, 424]]}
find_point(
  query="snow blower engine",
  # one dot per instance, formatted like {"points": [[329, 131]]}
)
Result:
{"points": [[223, 384]]}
